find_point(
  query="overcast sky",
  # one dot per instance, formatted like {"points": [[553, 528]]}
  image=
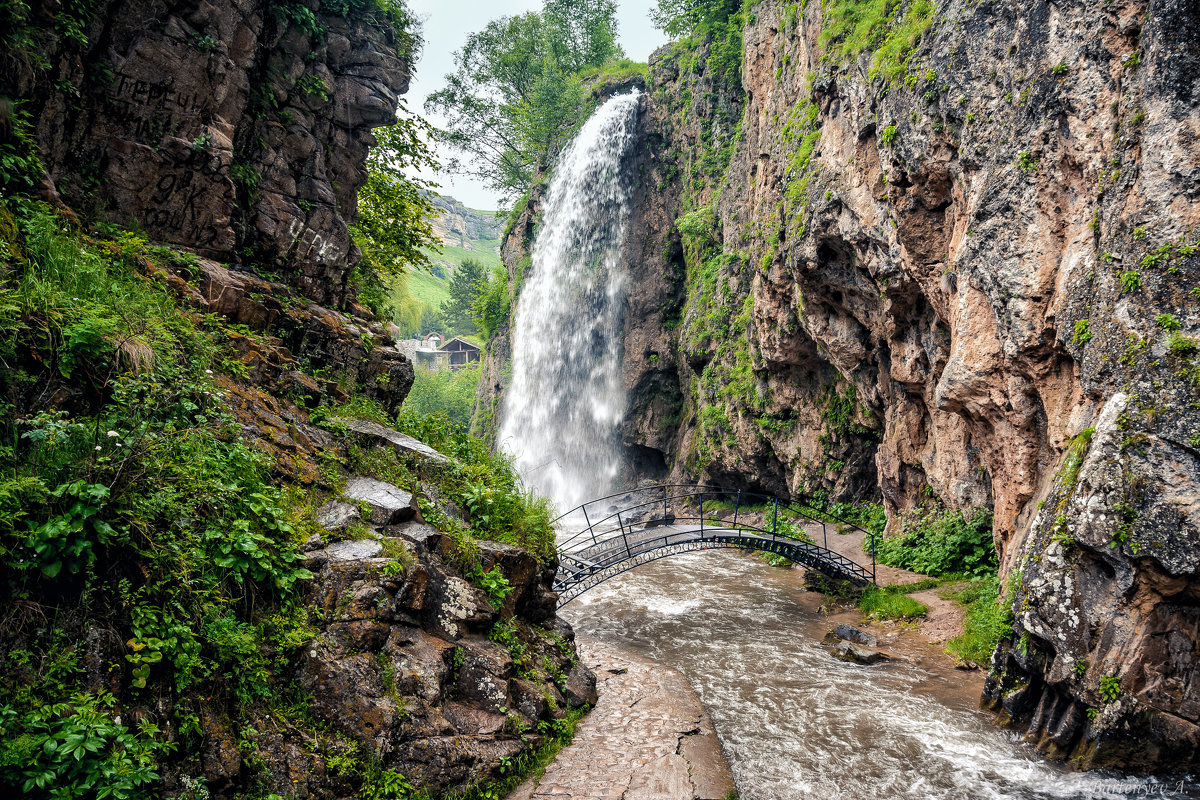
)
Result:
{"points": [[447, 23]]}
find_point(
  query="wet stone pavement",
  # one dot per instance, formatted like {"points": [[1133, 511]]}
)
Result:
{"points": [[648, 738]]}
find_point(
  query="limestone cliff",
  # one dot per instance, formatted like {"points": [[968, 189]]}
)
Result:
{"points": [[944, 276], [961, 269]]}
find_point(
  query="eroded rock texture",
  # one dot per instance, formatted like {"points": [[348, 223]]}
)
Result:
{"points": [[237, 128], [935, 286]]}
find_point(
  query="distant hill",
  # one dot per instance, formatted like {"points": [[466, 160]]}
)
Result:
{"points": [[465, 233]]}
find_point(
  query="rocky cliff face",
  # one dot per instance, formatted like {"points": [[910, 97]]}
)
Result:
{"points": [[459, 226], [967, 272], [239, 128]]}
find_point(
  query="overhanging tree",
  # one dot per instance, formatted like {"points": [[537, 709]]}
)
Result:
{"points": [[514, 98]]}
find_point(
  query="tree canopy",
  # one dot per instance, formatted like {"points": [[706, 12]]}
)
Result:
{"points": [[395, 215], [514, 98]]}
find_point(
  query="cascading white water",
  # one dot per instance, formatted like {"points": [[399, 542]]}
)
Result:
{"points": [[560, 413]]}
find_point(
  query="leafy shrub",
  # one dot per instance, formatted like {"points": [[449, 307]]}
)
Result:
{"points": [[1027, 161], [76, 749], [940, 543], [1083, 332], [1110, 688], [1131, 281], [485, 485], [888, 136]]}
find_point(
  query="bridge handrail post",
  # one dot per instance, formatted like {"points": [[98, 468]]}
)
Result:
{"points": [[591, 530], [737, 507], [701, 512], [872, 537], [825, 530], [625, 538], [664, 488], [775, 519]]}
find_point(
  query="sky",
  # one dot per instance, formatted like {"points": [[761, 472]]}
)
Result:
{"points": [[447, 23]]}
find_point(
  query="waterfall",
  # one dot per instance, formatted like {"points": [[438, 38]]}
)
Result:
{"points": [[560, 413]]}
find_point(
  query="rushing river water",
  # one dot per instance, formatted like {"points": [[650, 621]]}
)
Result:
{"points": [[796, 723]]}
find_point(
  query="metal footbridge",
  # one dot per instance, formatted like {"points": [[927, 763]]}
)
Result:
{"points": [[611, 535]]}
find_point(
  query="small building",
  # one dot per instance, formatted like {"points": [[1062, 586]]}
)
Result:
{"points": [[432, 341], [461, 351]]}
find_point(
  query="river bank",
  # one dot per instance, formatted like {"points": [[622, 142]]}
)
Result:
{"points": [[795, 722], [648, 738]]}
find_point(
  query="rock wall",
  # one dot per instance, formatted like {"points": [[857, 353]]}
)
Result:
{"points": [[975, 281], [238, 128], [237, 132]]}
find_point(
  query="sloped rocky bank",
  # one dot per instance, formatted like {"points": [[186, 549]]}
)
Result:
{"points": [[229, 575]]}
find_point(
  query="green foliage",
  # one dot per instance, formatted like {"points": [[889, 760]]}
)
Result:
{"points": [[20, 157], [493, 583], [394, 211], [491, 303], [1168, 322], [1083, 332], [77, 750], [1181, 346], [888, 136], [484, 484], [462, 287], [149, 497], [451, 392], [941, 542], [1027, 161], [1110, 688], [514, 99], [854, 26], [988, 619], [1131, 281], [890, 602]]}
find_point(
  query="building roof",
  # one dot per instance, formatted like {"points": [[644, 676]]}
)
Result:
{"points": [[463, 344]]}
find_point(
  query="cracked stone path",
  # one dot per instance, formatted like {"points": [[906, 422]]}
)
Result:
{"points": [[648, 738]]}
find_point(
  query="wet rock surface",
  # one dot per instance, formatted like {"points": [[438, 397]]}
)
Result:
{"points": [[648, 738], [857, 654], [388, 504]]}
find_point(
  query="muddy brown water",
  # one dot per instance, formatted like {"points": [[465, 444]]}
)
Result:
{"points": [[796, 723]]}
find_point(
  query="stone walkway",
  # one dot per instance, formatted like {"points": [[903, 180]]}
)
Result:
{"points": [[648, 738]]}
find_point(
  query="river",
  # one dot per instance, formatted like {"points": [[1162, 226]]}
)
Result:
{"points": [[796, 723]]}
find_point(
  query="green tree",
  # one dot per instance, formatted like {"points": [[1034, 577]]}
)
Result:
{"points": [[514, 100], [395, 215], [462, 288], [683, 17]]}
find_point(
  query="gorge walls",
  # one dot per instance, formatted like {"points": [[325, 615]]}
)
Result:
{"points": [[948, 257]]}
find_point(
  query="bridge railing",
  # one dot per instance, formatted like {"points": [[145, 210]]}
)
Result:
{"points": [[617, 516]]}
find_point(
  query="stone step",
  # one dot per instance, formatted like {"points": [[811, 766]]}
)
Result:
{"points": [[390, 505], [377, 434]]}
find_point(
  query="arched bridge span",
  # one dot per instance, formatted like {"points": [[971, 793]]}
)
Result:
{"points": [[611, 535]]}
